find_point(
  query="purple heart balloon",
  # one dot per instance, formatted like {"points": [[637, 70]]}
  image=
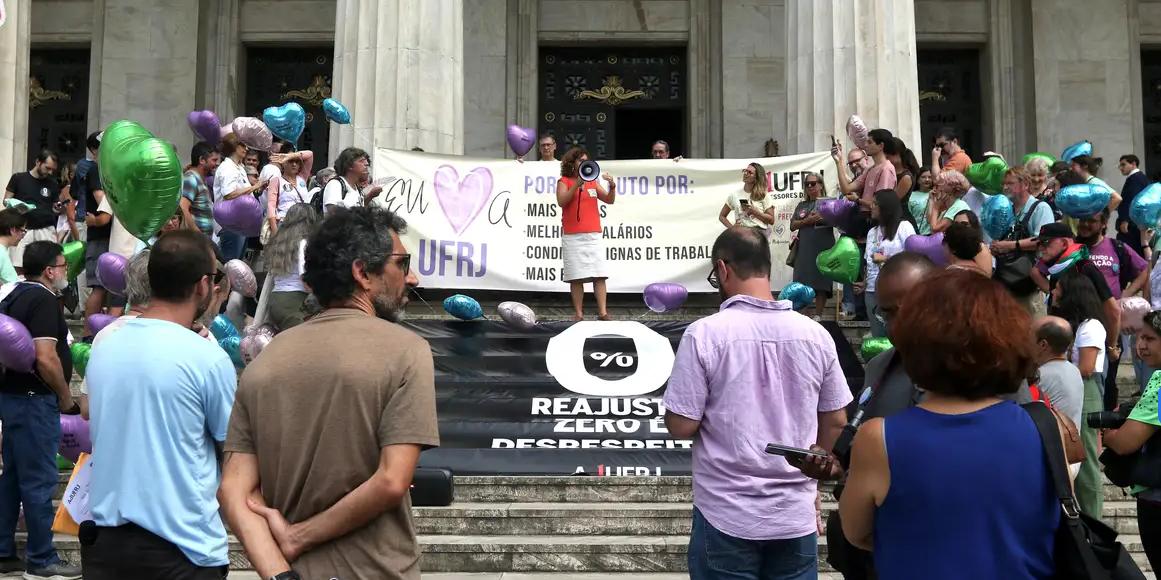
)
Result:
{"points": [[17, 350], [241, 215], [97, 322], [111, 270], [205, 125], [837, 212], [930, 246], [665, 296], [74, 437], [520, 139]]}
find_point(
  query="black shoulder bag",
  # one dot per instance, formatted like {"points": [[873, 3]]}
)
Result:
{"points": [[1014, 269], [1086, 548]]}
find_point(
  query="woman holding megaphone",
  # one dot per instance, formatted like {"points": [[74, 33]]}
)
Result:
{"points": [[577, 193]]}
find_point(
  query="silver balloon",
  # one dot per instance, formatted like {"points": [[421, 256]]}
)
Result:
{"points": [[241, 278], [517, 314], [256, 339]]}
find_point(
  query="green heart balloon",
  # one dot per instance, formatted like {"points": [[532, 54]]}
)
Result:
{"points": [[63, 463], [80, 353], [1048, 159], [988, 175], [841, 261], [74, 255], [873, 347], [141, 175]]}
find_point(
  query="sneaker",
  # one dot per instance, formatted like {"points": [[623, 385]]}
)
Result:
{"points": [[58, 571], [11, 567]]}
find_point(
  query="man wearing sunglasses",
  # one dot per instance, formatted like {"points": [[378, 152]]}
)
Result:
{"points": [[160, 399], [329, 431], [30, 407]]}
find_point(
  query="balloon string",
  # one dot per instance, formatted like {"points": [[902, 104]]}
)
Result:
{"points": [[413, 291]]}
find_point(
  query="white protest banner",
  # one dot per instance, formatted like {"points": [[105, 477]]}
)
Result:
{"points": [[495, 225]]}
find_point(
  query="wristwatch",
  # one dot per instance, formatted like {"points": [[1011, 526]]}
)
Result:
{"points": [[287, 575]]}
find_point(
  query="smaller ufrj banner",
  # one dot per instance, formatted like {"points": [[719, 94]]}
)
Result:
{"points": [[562, 398]]}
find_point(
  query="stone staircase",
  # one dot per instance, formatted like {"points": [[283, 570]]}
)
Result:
{"points": [[630, 528]]}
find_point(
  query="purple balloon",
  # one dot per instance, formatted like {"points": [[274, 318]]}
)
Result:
{"points": [[205, 125], [241, 215], [17, 351], [665, 296], [111, 270], [837, 212], [98, 322], [74, 437], [930, 246], [520, 139]]}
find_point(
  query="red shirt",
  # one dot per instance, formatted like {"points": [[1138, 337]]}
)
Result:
{"points": [[581, 215]]}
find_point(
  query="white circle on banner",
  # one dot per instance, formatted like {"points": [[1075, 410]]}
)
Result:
{"points": [[566, 360]]}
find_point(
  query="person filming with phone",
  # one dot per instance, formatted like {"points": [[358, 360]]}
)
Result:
{"points": [[733, 393], [751, 207]]}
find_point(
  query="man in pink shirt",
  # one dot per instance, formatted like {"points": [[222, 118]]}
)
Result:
{"points": [[756, 372], [880, 176]]}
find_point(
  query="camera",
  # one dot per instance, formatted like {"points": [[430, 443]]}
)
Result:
{"points": [[1110, 419]]}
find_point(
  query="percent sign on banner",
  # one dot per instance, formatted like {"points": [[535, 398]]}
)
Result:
{"points": [[606, 358]]}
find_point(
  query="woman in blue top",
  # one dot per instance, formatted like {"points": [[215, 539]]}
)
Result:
{"points": [[958, 486], [1139, 430]]}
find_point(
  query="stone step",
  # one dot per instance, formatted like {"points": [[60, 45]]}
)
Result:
{"points": [[248, 575]]}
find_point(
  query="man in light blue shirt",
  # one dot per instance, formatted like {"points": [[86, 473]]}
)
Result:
{"points": [[160, 401]]}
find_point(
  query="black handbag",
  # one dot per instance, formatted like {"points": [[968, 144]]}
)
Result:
{"points": [[1085, 548], [433, 487], [1140, 468], [1014, 269]]}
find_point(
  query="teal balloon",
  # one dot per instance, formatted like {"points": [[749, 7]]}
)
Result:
{"points": [[336, 111], [988, 175], [873, 347], [1083, 200], [1037, 155], [799, 294], [463, 307], [141, 175], [233, 347], [1076, 150], [287, 121], [222, 328], [1146, 207], [997, 216], [841, 262]]}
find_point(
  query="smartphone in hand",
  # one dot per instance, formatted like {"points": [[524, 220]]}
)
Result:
{"points": [[792, 454]]}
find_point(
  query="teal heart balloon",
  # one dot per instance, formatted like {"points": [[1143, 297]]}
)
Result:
{"points": [[286, 121], [141, 175], [463, 307], [1076, 150], [336, 111], [1146, 208], [1083, 200], [873, 347], [841, 262], [988, 175], [799, 294], [1048, 159]]}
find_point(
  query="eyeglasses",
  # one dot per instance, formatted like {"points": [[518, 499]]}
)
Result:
{"points": [[64, 265], [856, 162], [941, 145], [405, 263], [713, 276], [811, 183], [216, 276]]}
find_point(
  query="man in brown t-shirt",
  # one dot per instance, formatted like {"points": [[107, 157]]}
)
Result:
{"points": [[329, 421]]}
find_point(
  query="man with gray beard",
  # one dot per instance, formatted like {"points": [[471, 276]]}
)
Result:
{"points": [[329, 421]]}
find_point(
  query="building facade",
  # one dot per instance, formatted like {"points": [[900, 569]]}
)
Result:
{"points": [[714, 78]]}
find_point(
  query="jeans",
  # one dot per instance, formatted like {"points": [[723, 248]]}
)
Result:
{"points": [[31, 441], [130, 551], [1089, 482], [1149, 523], [714, 555], [233, 245], [878, 325]]}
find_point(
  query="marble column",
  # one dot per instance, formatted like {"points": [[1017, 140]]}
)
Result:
{"points": [[1085, 85], [399, 70], [849, 57], [15, 40], [219, 58], [148, 66]]}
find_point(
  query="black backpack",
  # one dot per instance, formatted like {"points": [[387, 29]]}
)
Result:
{"points": [[317, 201]]}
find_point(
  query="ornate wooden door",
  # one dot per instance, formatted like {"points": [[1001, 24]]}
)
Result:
{"points": [[277, 75], [58, 103], [949, 96], [586, 93], [1151, 105]]}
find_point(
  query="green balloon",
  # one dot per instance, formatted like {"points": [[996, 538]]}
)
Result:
{"points": [[63, 463], [74, 255], [1037, 155], [80, 352], [841, 261], [141, 175], [873, 347], [988, 175]]}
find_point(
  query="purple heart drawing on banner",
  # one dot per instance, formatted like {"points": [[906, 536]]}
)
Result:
{"points": [[462, 199]]}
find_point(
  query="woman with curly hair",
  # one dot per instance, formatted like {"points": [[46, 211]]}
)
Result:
{"points": [[946, 200], [581, 247], [285, 256]]}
